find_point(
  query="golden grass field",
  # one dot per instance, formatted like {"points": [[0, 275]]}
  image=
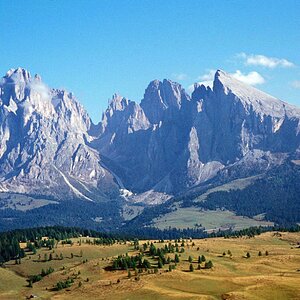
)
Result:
{"points": [[276, 276]]}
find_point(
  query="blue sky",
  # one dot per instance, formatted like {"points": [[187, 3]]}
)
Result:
{"points": [[96, 48]]}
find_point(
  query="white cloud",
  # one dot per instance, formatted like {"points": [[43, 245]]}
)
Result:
{"points": [[252, 78], [41, 89], [295, 84], [208, 76], [179, 76], [207, 79], [268, 62]]}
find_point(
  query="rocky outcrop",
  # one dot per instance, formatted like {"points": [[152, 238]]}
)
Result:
{"points": [[185, 141], [44, 142], [168, 143]]}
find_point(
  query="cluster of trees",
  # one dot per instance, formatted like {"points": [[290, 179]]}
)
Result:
{"points": [[125, 262], [10, 248], [168, 248], [67, 242], [107, 241], [64, 284], [34, 238], [151, 232], [201, 259], [35, 278], [208, 264]]}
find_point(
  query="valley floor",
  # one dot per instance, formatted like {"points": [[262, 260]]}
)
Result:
{"points": [[233, 276]]}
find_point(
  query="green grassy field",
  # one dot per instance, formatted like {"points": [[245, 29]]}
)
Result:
{"points": [[22, 202], [210, 219], [237, 184], [272, 276]]}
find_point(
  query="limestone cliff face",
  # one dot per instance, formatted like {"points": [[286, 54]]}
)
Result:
{"points": [[182, 141], [169, 142], [44, 137], [234, 119]]}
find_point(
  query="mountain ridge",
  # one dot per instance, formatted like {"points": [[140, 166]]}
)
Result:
{"points": [[166, 144]]}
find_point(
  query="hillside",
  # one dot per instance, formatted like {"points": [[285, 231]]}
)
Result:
{"points": [[251, 201], [261, 267]]}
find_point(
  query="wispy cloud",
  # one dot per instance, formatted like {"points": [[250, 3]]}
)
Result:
{"points": [[252, 78], [179, 76], [295, 84], [207, 78], [40, 88], [265, 61]]}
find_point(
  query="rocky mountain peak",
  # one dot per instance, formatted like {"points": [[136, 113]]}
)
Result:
{"points": [[161, 96], [44, 141], [118, 102], [250, 97], [165, 144], [18, 75]]}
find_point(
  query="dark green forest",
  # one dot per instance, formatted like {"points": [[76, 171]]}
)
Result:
{"points": [[277, 195]]}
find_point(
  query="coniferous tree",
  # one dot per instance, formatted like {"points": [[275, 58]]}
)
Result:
{"points": [[159, 264], [208, 264]]}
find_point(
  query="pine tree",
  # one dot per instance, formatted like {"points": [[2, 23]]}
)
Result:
{"points": [[160, 264], [30, 283], [208, 264], [191, 268]]}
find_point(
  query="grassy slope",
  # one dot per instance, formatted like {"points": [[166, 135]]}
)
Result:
{"points": [[237, 184], [267, 277], [22, 202], [189, 216], [10, 284]]}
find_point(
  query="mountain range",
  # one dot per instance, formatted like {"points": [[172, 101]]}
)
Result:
{"points": [[143, 155]]}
